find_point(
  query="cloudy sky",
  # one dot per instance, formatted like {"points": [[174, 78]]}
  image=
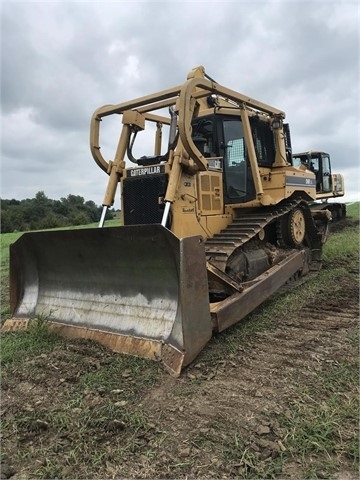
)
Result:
{"points": [[61, 60]]}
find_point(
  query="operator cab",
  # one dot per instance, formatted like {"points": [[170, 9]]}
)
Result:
{"points": [[223, 136], [319, 164]]}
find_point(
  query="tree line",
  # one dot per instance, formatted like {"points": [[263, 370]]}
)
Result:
{"points": [[41, 213]]}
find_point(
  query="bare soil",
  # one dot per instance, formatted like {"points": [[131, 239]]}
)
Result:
{"points": [[225, 417]]}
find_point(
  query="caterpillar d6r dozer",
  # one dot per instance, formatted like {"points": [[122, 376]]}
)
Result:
{"points": [[213, 224]]}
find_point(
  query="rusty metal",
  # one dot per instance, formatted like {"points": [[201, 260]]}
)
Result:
{"points": [[14, 324], [134, 289], [237, 306]]}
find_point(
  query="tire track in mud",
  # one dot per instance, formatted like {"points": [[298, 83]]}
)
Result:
{"points": [[213, 406], [240, 394]]}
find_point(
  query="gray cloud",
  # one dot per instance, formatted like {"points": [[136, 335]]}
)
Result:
{"points": [[62, 60]]}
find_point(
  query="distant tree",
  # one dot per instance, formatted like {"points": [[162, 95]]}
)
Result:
{"points": [[51, 220], [73, 201], [79, 218], [41, 212], [6, 225], [60, 208], [40, 197], [12, 220]]}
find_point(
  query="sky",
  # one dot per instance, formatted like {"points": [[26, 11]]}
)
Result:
{"points": [[60, 60]]}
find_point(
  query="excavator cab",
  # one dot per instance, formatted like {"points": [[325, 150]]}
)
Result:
{"points": [[327, 184]]}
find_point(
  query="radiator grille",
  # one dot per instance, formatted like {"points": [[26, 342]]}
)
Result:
{"points": [[211, 193], [141, 196]]}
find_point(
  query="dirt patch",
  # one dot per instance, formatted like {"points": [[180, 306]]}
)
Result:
{"points": [[339, 225], [80, 411]]}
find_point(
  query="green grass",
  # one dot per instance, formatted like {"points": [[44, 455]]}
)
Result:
{"points": [[353, 210], [36, 339], [324, 427], [6, 240], [107, 377], [83, 436], [100, 420], [345, 243], [338, 247]]}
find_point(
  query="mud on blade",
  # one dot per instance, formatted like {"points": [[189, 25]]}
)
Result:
{"points": [[137, 289]]}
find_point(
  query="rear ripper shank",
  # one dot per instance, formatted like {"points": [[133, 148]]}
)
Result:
{"points": [[214, 222]]}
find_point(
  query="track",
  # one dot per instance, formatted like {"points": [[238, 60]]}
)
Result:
{"points": [[249, 225]]}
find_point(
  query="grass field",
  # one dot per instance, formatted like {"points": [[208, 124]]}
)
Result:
{"points": [[274, 397]]}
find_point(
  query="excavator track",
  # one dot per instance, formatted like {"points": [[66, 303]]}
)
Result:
{"points": [[219, 248]]}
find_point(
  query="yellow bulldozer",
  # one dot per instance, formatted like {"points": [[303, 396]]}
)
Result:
{"points": [[215, 219]]}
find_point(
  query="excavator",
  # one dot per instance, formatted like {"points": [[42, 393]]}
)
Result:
{"points": [[328, 185], [215, 219]]}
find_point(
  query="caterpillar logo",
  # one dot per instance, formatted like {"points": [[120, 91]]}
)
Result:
{"points": [[136, 172]]}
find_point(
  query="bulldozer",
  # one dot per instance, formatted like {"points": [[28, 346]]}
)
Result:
{"points": [[328, 185], [215, 219]]}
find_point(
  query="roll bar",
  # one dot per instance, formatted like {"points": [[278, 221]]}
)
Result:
{"points": [[184, 97]]}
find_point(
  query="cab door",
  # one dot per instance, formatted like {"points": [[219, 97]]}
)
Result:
{"points": [[238, 181], [326, 173]]}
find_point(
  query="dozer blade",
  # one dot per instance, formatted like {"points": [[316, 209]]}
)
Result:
{"points": [[137, 289]]}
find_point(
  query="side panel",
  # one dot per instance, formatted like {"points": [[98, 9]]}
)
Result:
{"points": [[279, 184], [210, 188]]}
